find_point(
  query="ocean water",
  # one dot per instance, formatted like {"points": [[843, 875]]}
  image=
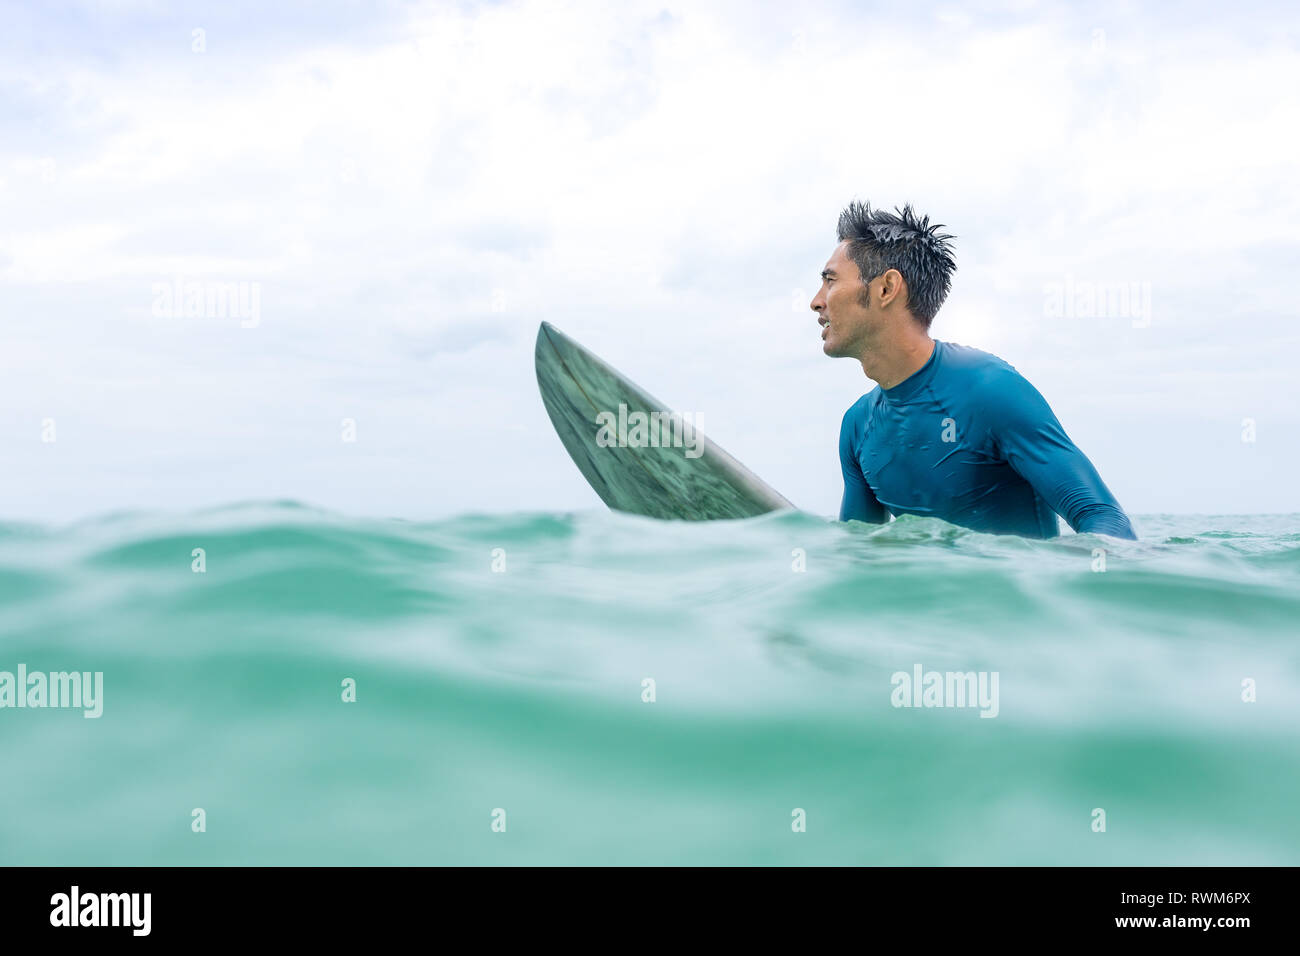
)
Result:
{"points": [[502, 713]]}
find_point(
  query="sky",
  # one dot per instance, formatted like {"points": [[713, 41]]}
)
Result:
{"points": [[398, 194]]}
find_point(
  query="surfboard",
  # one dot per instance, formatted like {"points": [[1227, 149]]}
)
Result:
{"points": [[637, 454]]}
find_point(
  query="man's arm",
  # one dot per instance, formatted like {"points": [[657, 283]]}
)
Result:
{"points": [[859, 503], [1037, 447]]}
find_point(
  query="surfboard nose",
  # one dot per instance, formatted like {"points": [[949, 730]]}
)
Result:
{"points": [[549, 337], [554, 347]]}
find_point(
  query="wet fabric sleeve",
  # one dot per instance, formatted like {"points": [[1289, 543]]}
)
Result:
{"points": [[859, 502], [1033, 442]]}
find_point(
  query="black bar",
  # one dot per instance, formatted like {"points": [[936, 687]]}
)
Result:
{"points": [[302, 905]]}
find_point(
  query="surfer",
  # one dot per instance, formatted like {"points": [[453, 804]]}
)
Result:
{"points": [[951, 432]]}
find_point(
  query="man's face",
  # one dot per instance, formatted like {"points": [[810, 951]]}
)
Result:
{"points": [[845, 321]]}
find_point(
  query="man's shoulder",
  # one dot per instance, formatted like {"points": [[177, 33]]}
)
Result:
{"points": [[858, 410], [965, 360], [979, 371], [1000, 395]]}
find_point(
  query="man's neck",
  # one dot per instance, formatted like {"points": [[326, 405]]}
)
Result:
{"points": [[894, 358]]}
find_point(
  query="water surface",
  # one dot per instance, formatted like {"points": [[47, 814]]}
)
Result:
{"points": [[522, 689]]}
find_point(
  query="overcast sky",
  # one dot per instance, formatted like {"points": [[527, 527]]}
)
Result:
{"points": [[405, 191]]}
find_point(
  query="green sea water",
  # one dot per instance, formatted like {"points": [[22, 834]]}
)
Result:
{"points": [[502, 667]]}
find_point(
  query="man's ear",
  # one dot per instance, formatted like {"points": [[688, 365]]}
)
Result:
{"points": [[892, 288]]}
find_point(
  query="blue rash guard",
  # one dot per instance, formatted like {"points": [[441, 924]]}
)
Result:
{"points": [[969, 440]]}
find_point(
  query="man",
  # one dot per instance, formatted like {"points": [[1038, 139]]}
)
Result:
{"points": [[951, 432]]}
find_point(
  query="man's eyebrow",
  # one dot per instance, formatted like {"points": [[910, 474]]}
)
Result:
{"points": [[828, 274]]}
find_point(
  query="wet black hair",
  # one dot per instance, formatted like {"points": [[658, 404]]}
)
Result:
{"points": [[880, 241]]}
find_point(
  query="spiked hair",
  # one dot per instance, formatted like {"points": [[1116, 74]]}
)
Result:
{"points": [[880, 241]]}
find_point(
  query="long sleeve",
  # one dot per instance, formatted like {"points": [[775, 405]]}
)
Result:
{"points": [[1036, 446], [859, 502]]}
